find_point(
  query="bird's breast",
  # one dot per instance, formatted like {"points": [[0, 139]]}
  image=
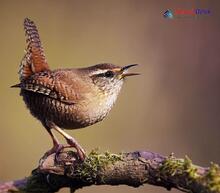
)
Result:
{"points": [[97, 107], [91, 109]]}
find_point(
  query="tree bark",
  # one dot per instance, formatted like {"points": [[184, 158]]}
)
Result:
{"points": [[133, 169]]}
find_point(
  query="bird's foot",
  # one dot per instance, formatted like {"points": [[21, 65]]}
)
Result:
{"points": [[80, 151], [57, 148]]}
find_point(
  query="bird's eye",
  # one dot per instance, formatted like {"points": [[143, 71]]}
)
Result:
{"points": [[109, 74]]}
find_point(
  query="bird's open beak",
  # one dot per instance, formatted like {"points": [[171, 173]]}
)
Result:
{"points": [[125, 72]]}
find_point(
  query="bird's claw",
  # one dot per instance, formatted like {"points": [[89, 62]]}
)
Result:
{"points": [[80, 151]]}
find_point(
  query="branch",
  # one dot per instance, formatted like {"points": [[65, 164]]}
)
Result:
{"points": [[132, 169]]}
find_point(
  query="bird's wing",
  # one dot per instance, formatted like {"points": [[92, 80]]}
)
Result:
{"points": [[53, 86], [34, 59]]}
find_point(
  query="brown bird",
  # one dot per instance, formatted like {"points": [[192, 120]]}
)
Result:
{"points": [[66, 98]]}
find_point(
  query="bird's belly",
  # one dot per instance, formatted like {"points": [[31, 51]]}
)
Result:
{"points": [[63, 115]]}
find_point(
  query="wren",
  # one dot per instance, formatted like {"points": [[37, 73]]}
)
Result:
{"points": [[66, 98]]}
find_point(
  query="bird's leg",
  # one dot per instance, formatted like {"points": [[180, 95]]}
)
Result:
{"points": [[72, 143], [57, 147], [70, 140]]}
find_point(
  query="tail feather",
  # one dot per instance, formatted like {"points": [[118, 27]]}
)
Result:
{"points": [[16, 86], [34, 59]]}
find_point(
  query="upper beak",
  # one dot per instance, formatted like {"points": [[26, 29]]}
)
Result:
{"points": [[125, 70]]}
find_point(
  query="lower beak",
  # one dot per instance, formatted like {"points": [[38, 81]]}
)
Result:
{"points": [[125, 69], [129, 74]]}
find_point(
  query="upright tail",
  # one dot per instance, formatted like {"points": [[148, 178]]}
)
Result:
{"points": [[34, 59]]}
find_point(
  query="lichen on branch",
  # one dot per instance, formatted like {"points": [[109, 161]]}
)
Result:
{"points": [[132, 169]]}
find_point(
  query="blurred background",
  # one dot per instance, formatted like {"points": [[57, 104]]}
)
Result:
{"points": [[174, 106]]}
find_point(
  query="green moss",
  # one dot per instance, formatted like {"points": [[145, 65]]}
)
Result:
{"points": [[176, 167], [89, 168], [184, 167], [212, 178]]}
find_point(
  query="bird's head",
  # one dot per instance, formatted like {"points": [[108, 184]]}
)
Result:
{"points": [[109, 78]]}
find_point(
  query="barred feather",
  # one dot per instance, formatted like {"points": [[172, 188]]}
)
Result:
{"points": [[46, 83], [34, 59]]}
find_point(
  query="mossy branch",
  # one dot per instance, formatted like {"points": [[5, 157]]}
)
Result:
{"points": [[133, 169]]}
